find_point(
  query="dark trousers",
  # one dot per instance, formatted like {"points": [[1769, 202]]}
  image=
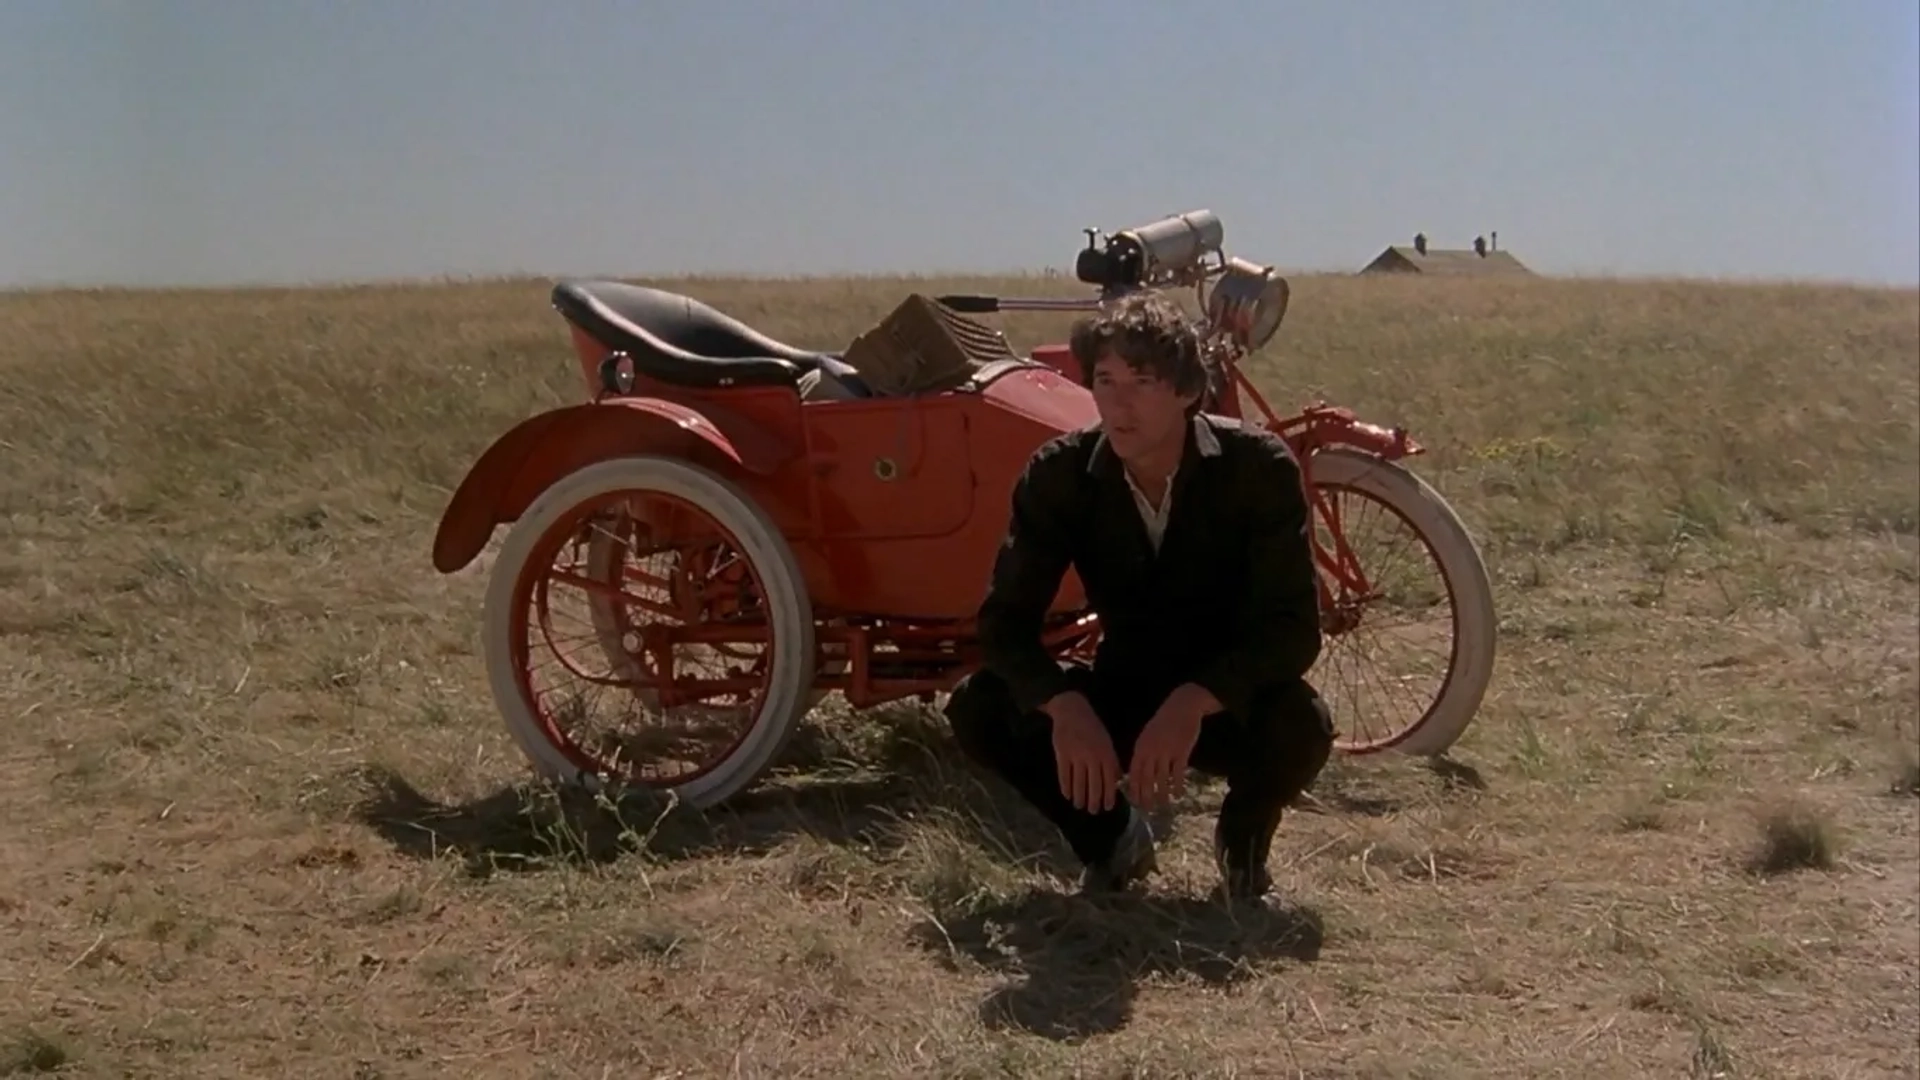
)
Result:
{"points": [[1267, 758]]}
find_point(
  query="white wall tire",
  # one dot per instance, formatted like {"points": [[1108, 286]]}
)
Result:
{"points": [[789, 615], [1447, 542]]}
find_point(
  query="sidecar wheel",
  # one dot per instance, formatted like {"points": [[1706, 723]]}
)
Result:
{"points": [[1431, 687], [726, 578]]}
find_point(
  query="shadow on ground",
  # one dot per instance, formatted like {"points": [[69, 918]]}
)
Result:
{"points": [[909, 770], [857, 784], [1083, 958], [1357, 789]]}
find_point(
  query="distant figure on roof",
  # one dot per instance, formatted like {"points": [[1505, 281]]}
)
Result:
{"points": [[1480, 246], [1420, 243]]}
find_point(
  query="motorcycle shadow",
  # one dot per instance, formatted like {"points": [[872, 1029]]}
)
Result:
{"points": [[913, 774]]}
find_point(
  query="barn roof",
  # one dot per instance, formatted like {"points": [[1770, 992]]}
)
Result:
{"points": [[1451, 261]]}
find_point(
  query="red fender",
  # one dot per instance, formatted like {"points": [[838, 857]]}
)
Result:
{"points": [[1322, 425], [541, 449]]}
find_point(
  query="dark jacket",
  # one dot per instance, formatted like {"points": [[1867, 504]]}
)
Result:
{"points": [[1229, 602]]}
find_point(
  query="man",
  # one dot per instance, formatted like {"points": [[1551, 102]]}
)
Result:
{"points": [[1189, 534]]}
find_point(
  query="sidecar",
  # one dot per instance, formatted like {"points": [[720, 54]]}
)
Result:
{"points": [[729, 529]]}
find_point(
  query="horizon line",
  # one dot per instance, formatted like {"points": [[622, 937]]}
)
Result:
{"points": [[525, 277]]}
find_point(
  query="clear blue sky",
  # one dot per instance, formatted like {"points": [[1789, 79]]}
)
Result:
{"points": [[166, 141]]}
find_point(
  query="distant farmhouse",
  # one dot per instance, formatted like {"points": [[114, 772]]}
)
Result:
{"points": [[1482, 258]]}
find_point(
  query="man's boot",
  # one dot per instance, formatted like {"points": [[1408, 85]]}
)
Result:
{"points": [[1240, 849]]}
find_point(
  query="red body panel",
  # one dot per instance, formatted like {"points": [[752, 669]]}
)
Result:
{"points": [[895, 507], [913, 493]]}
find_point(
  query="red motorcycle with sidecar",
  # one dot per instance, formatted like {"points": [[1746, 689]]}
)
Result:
{"points": [[739, 543]]}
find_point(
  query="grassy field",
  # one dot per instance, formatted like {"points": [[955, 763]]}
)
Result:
{"points": [[258, 817]]}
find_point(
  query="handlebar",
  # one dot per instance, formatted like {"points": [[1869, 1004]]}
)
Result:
{"points": [[971, 304], [975, 304]]}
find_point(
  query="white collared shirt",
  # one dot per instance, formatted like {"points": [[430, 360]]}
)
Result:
{"points": [[1155, 517]]}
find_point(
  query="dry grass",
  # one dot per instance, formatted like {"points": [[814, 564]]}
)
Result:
{"points": [[260, 818]]}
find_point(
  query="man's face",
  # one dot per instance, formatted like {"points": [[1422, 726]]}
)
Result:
{"points": [[1139, 412]]}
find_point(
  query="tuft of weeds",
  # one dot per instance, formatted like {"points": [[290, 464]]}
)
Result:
{"points": [[1794, 836]]}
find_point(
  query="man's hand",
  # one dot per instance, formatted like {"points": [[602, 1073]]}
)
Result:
{"points": [[1158, 771], [1089, 769]]}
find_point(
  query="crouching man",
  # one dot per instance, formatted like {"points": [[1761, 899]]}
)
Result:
{"points": [[1189, 533]]}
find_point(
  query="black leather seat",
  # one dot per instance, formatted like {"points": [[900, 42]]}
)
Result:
{"points": [[678, 339]]}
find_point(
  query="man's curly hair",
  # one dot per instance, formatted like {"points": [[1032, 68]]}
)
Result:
{"points": [[1151, 334]]}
